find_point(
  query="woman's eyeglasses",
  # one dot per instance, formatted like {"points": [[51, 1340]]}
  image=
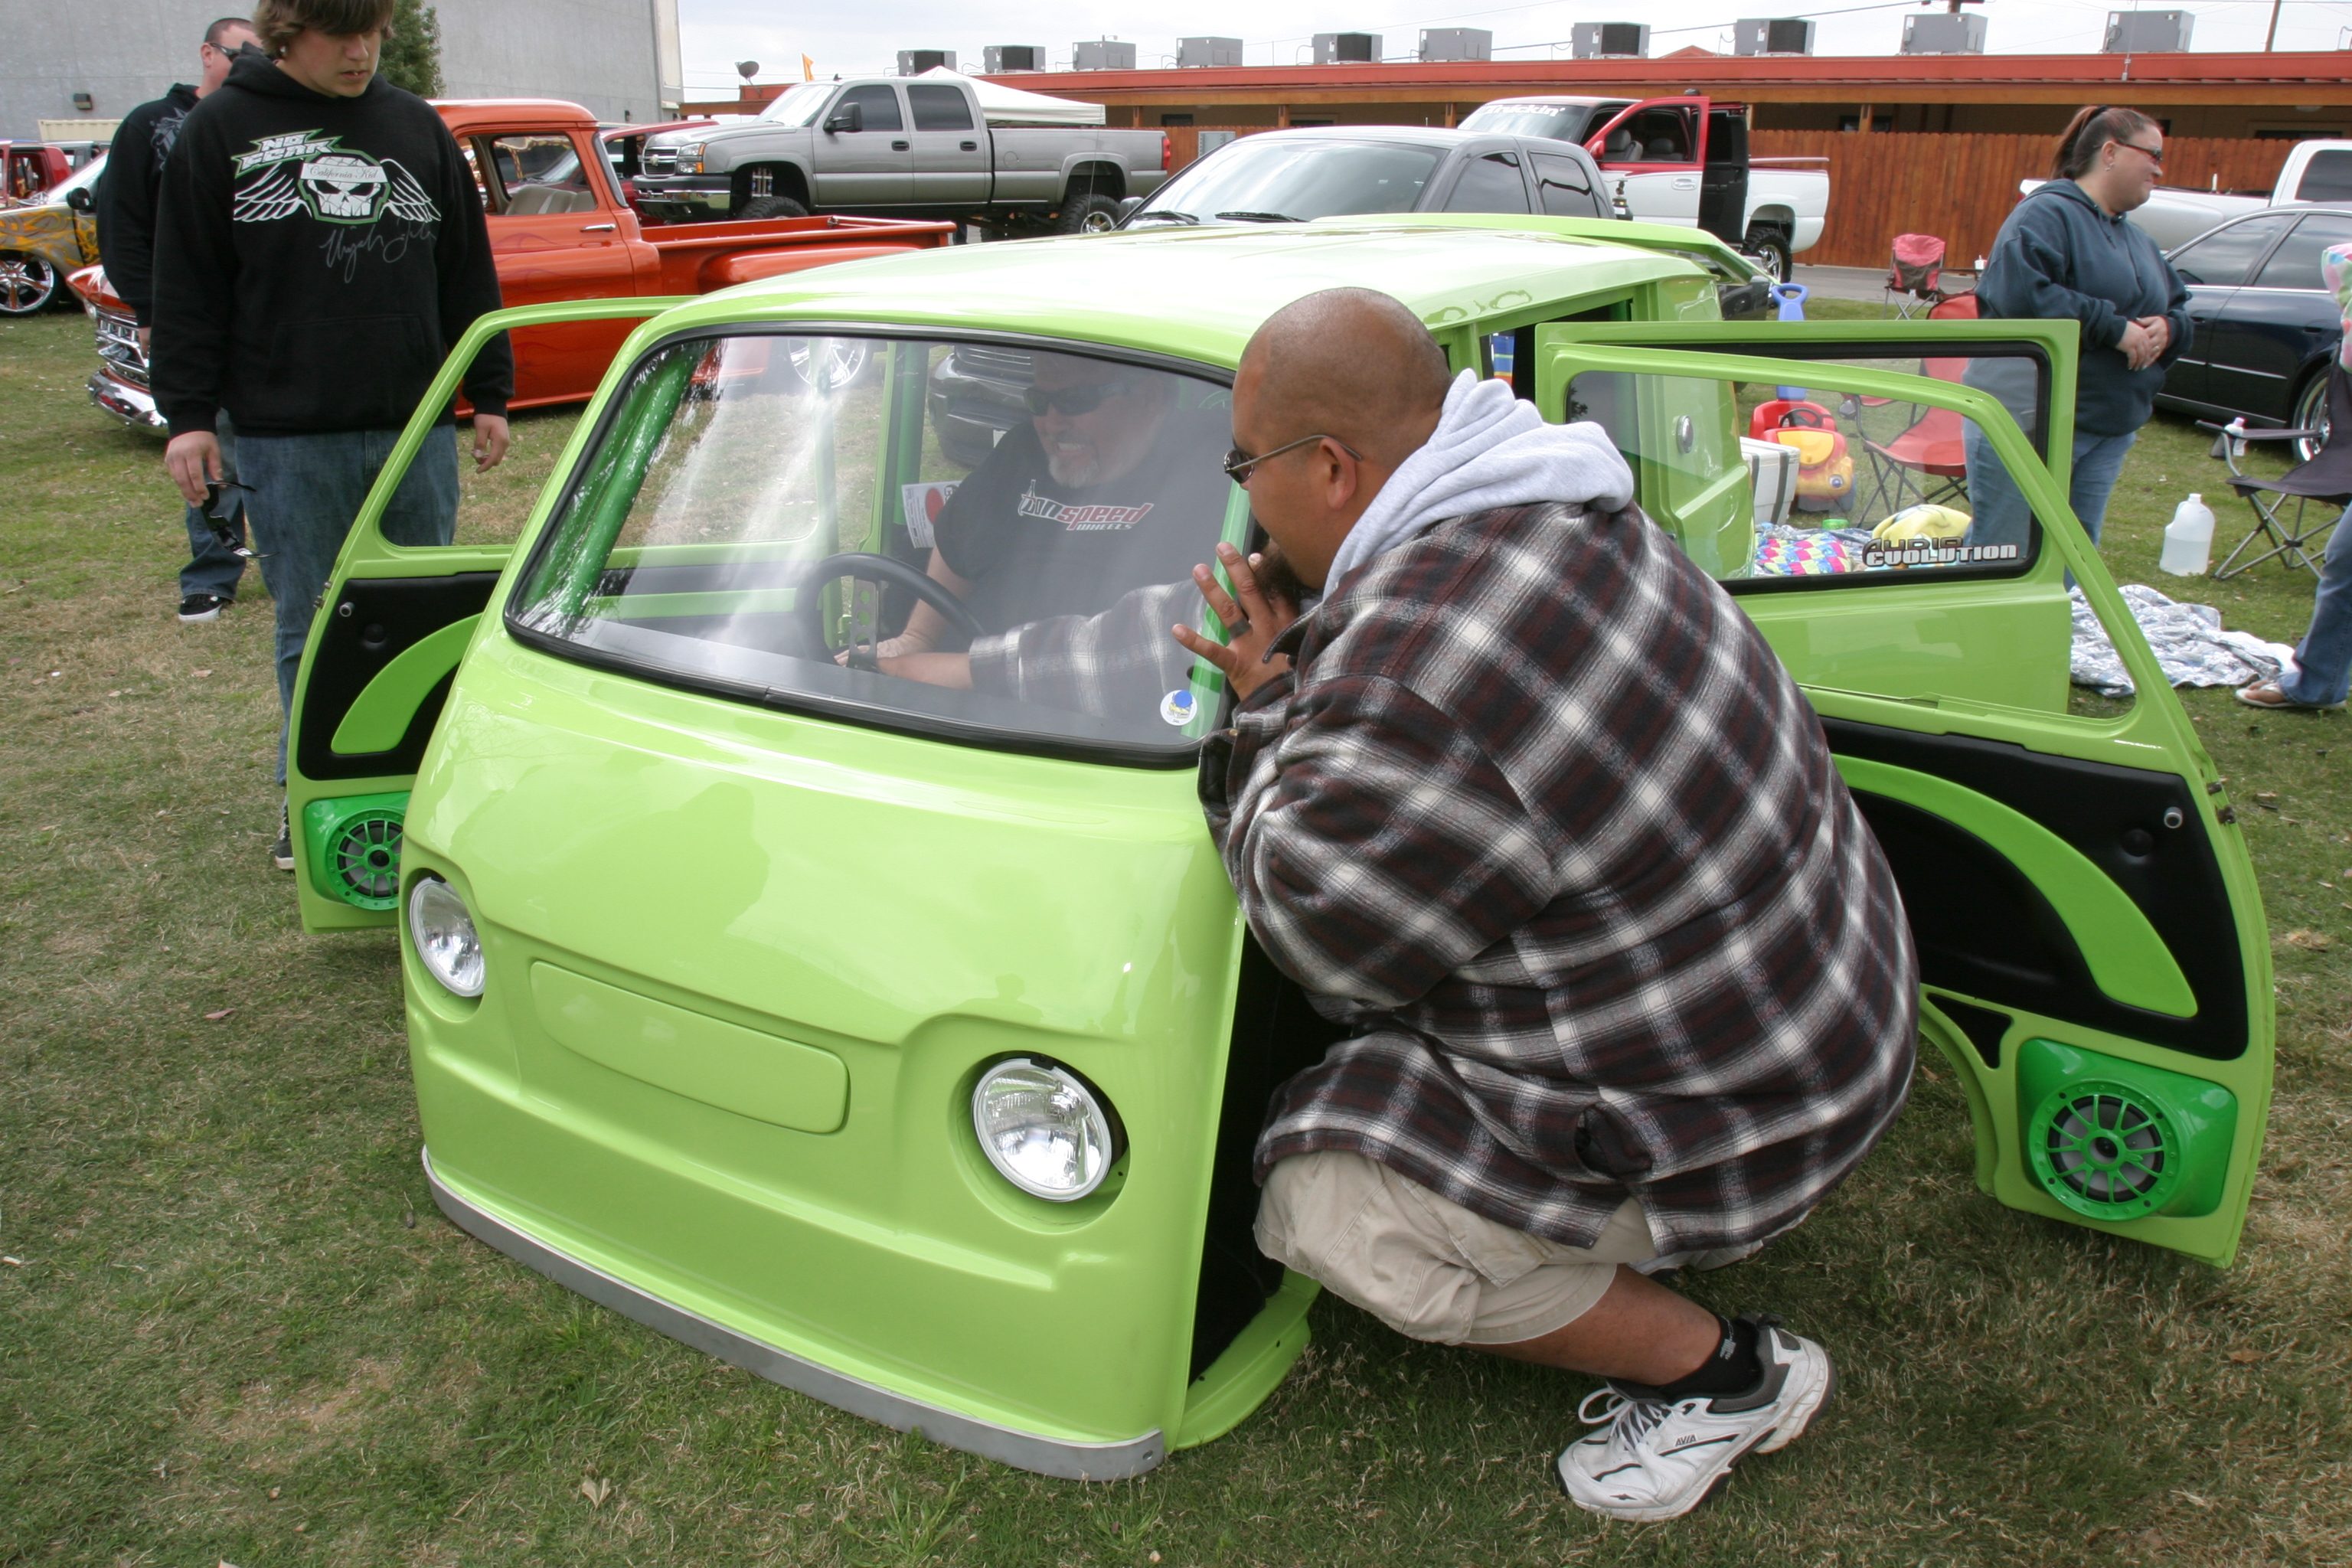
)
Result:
{"points": [[1239, 463], [2153, 155]]}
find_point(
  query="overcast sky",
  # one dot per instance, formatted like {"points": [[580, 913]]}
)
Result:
{"points": [[854, 40]]}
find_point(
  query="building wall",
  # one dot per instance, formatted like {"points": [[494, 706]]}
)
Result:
{"points": [[600, 53]]}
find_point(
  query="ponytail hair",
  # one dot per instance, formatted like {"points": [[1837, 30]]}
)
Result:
{"points": [[2090, 129]]}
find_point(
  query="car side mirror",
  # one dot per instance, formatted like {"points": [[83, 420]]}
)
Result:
{"points": [[78, 199], [852, 119], [1127, 207]]}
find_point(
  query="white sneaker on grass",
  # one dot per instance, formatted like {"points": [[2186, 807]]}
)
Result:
{"points": [[1658, 1459]]}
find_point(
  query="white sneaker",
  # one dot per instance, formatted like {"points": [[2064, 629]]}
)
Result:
{"points": [[1658, 1459]]}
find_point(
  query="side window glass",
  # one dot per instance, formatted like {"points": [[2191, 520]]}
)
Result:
{"points": [[2295, 264], [539, 174], [1491, 184], [2225, 258], [1658, 136], [2326, 178], [1565, 190], [937, 107], [1817, 486], [880, 104]]}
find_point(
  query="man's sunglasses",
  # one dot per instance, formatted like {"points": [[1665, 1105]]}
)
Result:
{"points": [[1238, 463], [1081, 399]]}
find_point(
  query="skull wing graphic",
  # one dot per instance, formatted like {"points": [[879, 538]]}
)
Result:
{"points": [[408, 199], [277, 193]]}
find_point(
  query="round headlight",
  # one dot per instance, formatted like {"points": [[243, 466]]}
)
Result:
{"points": [[443, 933], [1043, 1129]]}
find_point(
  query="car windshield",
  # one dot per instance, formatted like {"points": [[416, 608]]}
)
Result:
{"points": [[980, 541], [82, 178], [1264, 179], [799, 105], [1561, 122]]}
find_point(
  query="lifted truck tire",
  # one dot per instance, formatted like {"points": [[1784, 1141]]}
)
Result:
{"points": [[28, 285], [1770, 245], [1091, 212], [771, 207]]}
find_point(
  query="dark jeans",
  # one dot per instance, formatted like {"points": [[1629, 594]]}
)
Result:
{"points": [[2323, 658], [304, 493], [211, 568]]}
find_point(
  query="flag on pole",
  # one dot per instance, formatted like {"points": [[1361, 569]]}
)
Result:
{"points": [[808, 69]]}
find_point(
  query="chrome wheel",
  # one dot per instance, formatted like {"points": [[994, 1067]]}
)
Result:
{"points": [[2311, 413], [845, 360], [28, 284]]}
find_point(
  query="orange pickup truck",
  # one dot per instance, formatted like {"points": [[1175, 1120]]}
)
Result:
{"points": [[559, 230]]}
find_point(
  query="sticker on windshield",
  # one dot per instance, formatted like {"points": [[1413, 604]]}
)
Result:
{"points": [[921, 504], [1178, 707]]}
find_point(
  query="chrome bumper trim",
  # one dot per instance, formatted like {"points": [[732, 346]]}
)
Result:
{"points": [[125, 402], [1022, 1450]]}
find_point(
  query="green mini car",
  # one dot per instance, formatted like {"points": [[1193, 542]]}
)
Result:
{"points": [[898, 1037]]}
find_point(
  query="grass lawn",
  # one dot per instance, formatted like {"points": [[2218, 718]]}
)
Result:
{"points": [[233, 1328]]}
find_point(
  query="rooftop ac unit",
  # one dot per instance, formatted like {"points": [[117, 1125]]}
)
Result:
{"points": [[1346, 48], [1456, 44], [1102, 54], [2148, 32], [1000, 57], [915, 62], [1609, 40], [1191, 52], [1945, 34], [1771, 36]]}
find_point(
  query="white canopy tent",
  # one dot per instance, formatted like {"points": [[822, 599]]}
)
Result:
{"points": [[1011, 106]]}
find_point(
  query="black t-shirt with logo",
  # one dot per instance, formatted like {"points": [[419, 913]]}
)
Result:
{"points": [[1034, 548]]}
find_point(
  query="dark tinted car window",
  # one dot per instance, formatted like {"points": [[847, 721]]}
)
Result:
{"points": [[937, 107], [2227, 256], [880, 104], [2295, 264], [1490, 184], [1564, 188], [2326, 178]]}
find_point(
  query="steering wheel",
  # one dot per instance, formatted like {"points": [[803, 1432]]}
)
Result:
{"points": [[868, 567], [1803, 418]]}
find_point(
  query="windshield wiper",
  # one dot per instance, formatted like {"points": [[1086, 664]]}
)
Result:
{"points": [[1261, 217], [1164, 214]]}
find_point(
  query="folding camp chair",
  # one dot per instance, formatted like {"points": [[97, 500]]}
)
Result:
{"points": [[1915, 274], [2326, 481], [1929, 460]]}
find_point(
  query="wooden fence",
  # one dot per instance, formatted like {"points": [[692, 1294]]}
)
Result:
{"points": [[1883, 184]]}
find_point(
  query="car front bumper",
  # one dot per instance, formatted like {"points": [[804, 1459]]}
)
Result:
{"points": [[684, 198], [134, 405]]}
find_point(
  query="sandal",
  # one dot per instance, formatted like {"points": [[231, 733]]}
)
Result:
{"points": [[2268, 694]]}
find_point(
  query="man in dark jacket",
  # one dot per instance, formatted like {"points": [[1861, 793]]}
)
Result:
{"points": [[126, 241], [1530, 806], [321, 247]]}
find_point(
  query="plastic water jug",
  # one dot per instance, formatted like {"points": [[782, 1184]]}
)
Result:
{"points": [[2189, 539]]}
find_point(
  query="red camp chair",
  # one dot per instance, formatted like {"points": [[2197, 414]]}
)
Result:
{"points": [[1915, 274], [1929, 461]]}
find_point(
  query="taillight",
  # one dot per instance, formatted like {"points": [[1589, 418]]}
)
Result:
{"points": [[1166, 151]]}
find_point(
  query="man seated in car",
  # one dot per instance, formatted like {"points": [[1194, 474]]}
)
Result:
{"points": [[1106, 496]]}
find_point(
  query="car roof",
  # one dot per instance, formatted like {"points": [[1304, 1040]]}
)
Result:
{"points": [[1200, 293], [1548, 101], [1410, 135], [464, 114]]}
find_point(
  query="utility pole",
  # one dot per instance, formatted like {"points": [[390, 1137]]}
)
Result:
{"points": [[2271, 36]]}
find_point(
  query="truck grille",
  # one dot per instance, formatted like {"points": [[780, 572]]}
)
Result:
{"points": [[118, 345], [660, 161], [1002, 364]]}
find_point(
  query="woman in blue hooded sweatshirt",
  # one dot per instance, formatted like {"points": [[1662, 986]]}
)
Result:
{"points": [[2065, 253]]}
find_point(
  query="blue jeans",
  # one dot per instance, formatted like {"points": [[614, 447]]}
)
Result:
{"points": [[2325, 654], [303, 493], [211, 568], [2002, 516]]}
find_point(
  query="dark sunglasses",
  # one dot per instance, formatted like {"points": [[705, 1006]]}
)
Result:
{"points": [[1238, 463], [221, 505], [2153, 156], [1081, 399]]}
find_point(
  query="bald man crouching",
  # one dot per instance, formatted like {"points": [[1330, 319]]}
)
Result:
{"points": [[1526, 802]]}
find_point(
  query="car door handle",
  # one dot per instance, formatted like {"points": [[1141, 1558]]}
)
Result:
{"points": [[897, 146], [1684, 182], [599, 227], [968, 146]]}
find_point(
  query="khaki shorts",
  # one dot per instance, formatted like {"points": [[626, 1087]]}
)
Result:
{"points": [[1427, 1267]]}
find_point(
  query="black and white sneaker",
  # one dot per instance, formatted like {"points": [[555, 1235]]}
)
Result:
{"points": [[203, 607], [281, 853], [1658, 1459]]}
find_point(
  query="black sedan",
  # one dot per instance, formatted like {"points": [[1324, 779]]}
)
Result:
{"points": [[2266, 326]]}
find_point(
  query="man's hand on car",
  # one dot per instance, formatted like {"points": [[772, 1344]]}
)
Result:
{"points": [[1263, 613], [193, 461], [491, 439]]}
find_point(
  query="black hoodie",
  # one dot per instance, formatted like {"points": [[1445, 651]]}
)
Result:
{"points": [[316, 257], [126, 196]]}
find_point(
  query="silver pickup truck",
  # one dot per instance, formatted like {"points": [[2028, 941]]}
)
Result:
{"points": [[940, 146]]}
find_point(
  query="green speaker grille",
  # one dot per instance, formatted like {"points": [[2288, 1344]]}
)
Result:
{"points": [[2106, 1149], [362, 860]]}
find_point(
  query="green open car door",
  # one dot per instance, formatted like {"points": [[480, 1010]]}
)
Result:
{"points": [[384, 642], [2091, 940]]}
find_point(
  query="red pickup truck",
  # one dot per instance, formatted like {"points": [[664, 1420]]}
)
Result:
{"points": [[559, 230]]}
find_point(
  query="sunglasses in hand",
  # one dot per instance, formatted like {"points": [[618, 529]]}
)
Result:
{"points": [[221, 505]]}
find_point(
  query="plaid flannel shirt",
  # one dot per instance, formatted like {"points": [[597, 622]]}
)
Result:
{"points": [[1540, 812]]}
